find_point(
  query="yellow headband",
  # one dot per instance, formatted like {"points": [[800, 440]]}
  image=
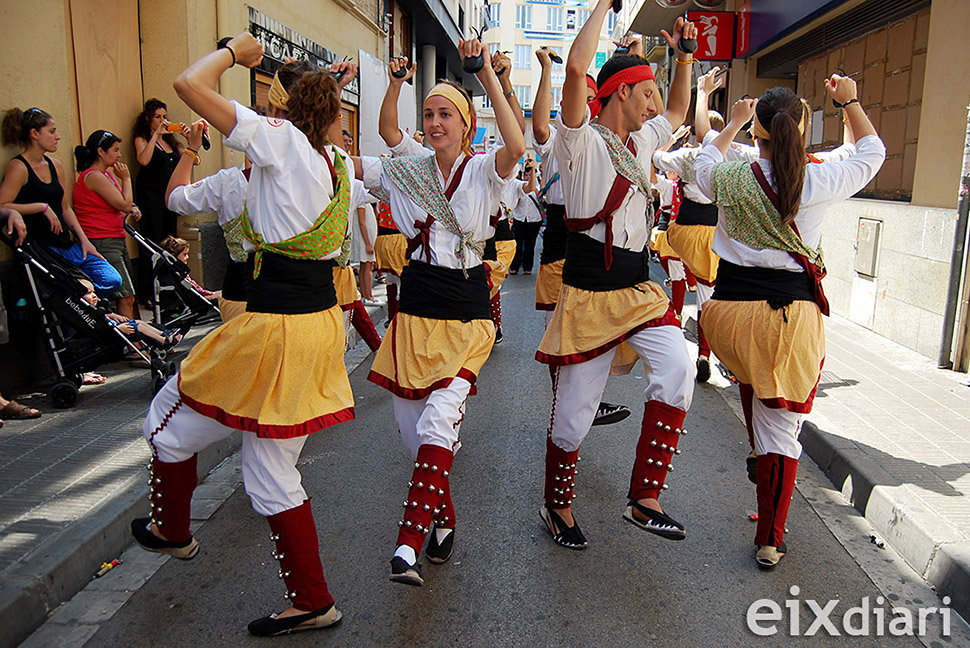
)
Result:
{"points": [[454, 95], [761, 133], [277, 95]]}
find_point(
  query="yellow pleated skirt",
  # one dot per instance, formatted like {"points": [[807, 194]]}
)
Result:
{"points": [[659, 244], [345, 284], [391, 252], [779, 353], [419, 355], [692, 243], [548, 283], [279, 376]]}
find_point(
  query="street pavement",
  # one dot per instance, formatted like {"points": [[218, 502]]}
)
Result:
{"points": [[508, 583]]}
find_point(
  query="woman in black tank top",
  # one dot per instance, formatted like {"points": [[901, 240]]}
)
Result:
{"points": [[33, 185]]}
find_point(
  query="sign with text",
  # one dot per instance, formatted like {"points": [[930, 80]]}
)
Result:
{"points": [[743, 38], [715, 34]]}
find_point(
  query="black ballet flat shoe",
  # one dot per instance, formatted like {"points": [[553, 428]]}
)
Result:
{"points": [[272, 625], [659, 523], [569, 537], [608, 414], [440, 553], [150, 542], [703, 369], [751, 464], [403, 572], [499, 336]]}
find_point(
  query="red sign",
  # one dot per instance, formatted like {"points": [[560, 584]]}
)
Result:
{"points": [[743, 39], [715, 34]]}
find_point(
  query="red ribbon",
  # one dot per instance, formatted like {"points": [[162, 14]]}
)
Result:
{"points": [[591, 84], [629, 76]]}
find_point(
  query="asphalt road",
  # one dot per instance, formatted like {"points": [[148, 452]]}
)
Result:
{"points": [[508, 584]]}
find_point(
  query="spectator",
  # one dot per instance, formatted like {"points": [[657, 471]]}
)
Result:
{"points": [[33, 185], [526, 218], [11, 410], [102, 198], [179, 248], [134, 329], [157, 152]]}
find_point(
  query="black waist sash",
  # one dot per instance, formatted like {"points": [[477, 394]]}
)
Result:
{"points": [[663, 219], [291, 286], [695, 213], [490, 253], [503, 230], [387, 231], [554, 238], [237, 278], [777, 287], [443, 293], [584, 265]]}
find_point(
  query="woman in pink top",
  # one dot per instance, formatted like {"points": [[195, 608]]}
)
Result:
{"points": [[102, 199]]}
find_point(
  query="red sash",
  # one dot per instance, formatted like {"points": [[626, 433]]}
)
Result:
{"points": [[815, 272], [423, 238], [614, 199]]}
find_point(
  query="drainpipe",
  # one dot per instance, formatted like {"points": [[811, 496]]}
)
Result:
{"points": [[955, 317]]}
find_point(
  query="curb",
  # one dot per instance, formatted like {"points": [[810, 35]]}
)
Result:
{"points": [[924, 539], [60, 569]]}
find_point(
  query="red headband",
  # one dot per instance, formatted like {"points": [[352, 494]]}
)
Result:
{"points": [[630, 76], [591, 84]]}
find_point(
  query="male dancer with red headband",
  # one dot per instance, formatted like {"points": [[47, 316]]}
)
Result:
{"points": [[606, 298], [549, 278]]}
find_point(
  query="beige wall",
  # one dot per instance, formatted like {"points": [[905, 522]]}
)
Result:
{"points": [[946, 91]]}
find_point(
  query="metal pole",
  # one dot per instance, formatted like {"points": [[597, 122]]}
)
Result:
{"points": [[952, 321]]}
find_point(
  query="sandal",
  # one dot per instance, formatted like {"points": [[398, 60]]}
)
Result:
{"points": [[570, 537], [15, 411], [91, 378], [171, 337], [659, 523], [768, 557]]}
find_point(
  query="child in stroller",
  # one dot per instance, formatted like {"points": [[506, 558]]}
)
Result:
{"points": [[134, 329]]}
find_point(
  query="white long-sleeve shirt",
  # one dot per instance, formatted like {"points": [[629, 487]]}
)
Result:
{"points": [[549, 166], [587, 176], [825, 185]]}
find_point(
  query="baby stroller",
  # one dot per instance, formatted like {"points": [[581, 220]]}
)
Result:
{"points": [[175, 302], [78, 336]]}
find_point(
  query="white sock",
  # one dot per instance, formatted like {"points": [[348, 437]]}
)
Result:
{"points": [[441, 534], [407, 553]]}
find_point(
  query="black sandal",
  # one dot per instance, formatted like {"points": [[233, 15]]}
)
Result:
{"points": [[659, 523], [570, 537], [272, 625]]}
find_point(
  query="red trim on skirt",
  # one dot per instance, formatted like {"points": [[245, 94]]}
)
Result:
{"points": [[545, 307], [792, 406], [705, 281], [417, 394], [667, 319]]}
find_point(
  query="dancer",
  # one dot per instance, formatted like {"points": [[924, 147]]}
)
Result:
{"points": [[669, 201], [606, 298], [553, 255], [526, 218], [355, 314], [276, 373], [438, 342], [765, 319]]}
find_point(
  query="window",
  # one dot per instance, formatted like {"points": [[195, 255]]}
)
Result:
{"points": [[570, 19], [521, 60], [523, 16], [556, 98], [554, 19], [524, 95], [485, 102], [495, 13], [493, 47], [558, 50], [582, 15], [461, 19], [610, 22]]}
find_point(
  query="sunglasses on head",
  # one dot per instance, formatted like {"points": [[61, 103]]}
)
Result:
{"points": [[106, 135]]}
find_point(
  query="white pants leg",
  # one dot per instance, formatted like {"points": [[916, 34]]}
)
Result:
{"points": [[776, 430], [434, 420], [176, 432], [677, 272], [670, 372], [577, 394], [703, 295], [549, 315]]}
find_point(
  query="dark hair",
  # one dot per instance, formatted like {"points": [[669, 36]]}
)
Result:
{"points": [[780, 111], [86, 155], [314, 104], [17, 125], [143, 123], [347, 133], [291, 73], [613, 65], [174, 245]]}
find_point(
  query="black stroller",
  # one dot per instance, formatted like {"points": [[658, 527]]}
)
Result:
{"points": [[78, 336], [175, 302]]}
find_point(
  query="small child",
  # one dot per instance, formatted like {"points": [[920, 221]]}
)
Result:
{"points": [[179, 248], [136, 329]]}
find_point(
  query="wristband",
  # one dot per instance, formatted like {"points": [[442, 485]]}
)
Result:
{"points": [[509, 94], [46, 207], [688, 62], [850, 102], [231, 53], [194, 155]]}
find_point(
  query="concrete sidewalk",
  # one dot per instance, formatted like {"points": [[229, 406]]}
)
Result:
{"points": [[892, 431], [71, 481]]}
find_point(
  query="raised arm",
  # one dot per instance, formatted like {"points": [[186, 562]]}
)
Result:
{"points": [[542, 105], [508, 155], [580, 56], [845, 91], [387, 124], [530, 176], [679, 99], [196, 86], [706, 85], [182, 174], [502, 65]]}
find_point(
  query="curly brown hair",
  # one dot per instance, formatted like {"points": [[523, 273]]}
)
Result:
{"points": [[314, 105]]}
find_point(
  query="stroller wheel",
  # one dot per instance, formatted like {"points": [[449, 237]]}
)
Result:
{"points": [[169, 369], [77, 379], [157, 383], [64, 394]]}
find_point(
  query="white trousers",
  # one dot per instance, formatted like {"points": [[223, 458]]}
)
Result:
{"points": [[703, 295], [270, 476], [776, 430], [434, 420], [579, 387], [676, 268]]}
